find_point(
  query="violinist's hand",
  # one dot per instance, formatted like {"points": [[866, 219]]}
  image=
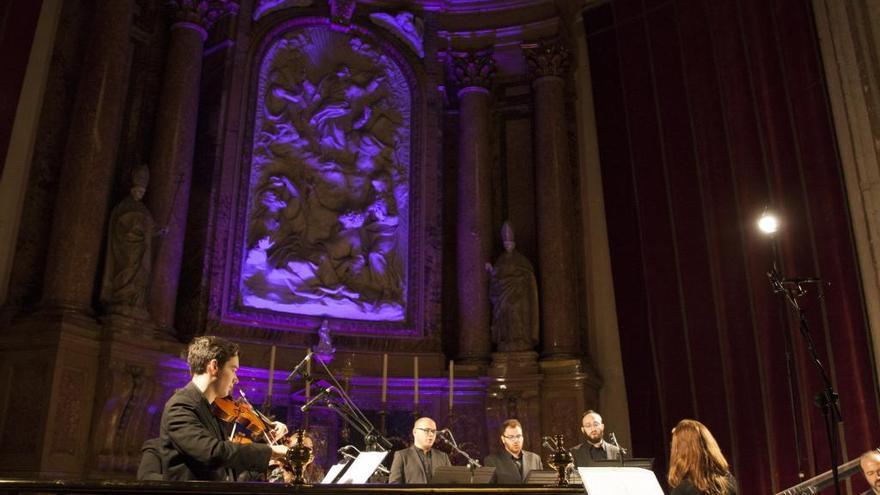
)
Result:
{"points": [[279, 451], [279, 429]]}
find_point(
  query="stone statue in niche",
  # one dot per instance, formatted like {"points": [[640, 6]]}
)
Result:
{"points": [[329, 184], [325, 348], [514, 295], [127, 269], [406, 26]]}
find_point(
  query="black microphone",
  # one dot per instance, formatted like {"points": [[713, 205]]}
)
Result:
{"points": [[614, 442], [305, 407], [299, 367]]}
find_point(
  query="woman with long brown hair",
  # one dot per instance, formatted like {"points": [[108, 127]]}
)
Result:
{"points": [[696, 464]]}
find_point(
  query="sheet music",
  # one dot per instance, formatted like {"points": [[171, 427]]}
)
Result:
{"points": [[333, 473], [619, 481], [362, 468]]}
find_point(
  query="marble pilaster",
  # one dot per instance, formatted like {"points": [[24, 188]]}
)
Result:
{"points": [[173, 146], [472, 73], [89, 162], [559, 326]]}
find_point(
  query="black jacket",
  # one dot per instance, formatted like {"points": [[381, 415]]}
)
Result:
{"points": [[506, 472], [194, 446]]}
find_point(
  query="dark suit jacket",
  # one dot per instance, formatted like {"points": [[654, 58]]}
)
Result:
{"points": [[581, 453], [194, 446], [407, 468], [506, 472], [150, 467]]}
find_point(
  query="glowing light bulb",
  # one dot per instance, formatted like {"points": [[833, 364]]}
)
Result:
{"points": [[768, 223]]}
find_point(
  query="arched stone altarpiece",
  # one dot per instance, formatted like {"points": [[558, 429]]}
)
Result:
{"points": [[329, 219]]}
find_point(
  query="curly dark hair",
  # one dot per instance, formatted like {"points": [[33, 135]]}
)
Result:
{"points": [[203, 349]]}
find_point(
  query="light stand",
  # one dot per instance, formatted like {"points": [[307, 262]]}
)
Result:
{"points": [[827, 399]]}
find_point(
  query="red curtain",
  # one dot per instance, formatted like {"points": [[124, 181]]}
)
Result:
{"points": [[709, 111]]}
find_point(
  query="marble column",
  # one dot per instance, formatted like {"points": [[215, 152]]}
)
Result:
{"points": [[174, 140], [471, 73], [89, 162], [559, 326]]}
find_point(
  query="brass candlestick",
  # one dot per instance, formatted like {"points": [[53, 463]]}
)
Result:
{"points": [[298, 457], [559, 460]]}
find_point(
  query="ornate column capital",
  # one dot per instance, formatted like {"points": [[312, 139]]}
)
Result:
{"points": [[547, 58], [200, 15], [471, 69]]}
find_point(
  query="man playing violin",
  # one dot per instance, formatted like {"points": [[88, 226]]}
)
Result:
{"points": [[194, 443]]}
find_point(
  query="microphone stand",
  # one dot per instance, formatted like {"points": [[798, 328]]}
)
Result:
{"points": [[827, 399], [351, 414], [472, 463], [621, 452]]}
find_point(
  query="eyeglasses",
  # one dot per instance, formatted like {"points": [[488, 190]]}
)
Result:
{"points": [[428, 431], [513, 437]]}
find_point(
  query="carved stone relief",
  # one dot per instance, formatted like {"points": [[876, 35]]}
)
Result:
{"points": [[328, 189]]}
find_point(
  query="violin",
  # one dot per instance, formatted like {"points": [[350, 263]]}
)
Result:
{"points": [[253, 424]]}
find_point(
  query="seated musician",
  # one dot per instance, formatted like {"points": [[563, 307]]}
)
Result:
{"points": [[312, 472], [513, 464], [416, 463], [696, 464], [194, 444], [595, 447], [870, 464]]}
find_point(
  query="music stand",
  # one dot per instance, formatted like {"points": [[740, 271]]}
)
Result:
{"points": [[619, 481], [364, 465], [335, 472], [462, 475], [541, 477], [639, 462]]}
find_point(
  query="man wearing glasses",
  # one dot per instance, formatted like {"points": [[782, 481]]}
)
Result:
{"points": [[416, 464], [513, 465], [595, 448]]}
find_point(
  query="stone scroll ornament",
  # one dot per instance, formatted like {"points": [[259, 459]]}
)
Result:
{"points": [[328, 191]]}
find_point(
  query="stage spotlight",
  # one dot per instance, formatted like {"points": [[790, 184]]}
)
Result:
{"points": [[768, 223]]}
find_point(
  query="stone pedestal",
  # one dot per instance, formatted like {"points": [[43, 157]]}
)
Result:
{"points": [[136, 375], [48, 366], [513, 391]]}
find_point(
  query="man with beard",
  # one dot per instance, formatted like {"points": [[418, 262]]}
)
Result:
{"points": [[595, 447], [513, 464], [870, 463]]}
